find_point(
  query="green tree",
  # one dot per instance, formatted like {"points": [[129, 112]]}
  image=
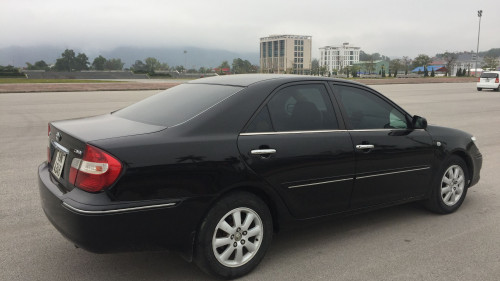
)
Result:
{"points": [[406, 61], [66, 62], [464, 72], [152, 64], [114, 64], [433, 74], [164, 66], [459, 72], [223, 65], [421, 60], [242, 66], [81, 62], [39, 65], [315, 67], [426, 72], [395, 65], [139, 67], [449, 59], [354, 70], [490, 62], [99, 63]]}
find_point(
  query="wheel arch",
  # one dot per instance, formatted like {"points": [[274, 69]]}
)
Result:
{"points": [[468, 161]]}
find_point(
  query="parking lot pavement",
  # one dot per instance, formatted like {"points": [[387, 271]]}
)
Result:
{"points": [[400, 243]]}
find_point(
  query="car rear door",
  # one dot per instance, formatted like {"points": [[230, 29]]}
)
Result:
{"points": [[393, 161], [297, 146]]}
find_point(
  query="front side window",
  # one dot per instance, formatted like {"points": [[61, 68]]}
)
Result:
{"points": [[302, 108], [365, 110]]}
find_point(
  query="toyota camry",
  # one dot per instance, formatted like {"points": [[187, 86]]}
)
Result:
{"points": [[214, 167]]}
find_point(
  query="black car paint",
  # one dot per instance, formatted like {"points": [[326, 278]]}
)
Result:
{"points": [[193, 164]]}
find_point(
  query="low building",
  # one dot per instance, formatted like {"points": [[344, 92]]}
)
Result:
{"points": [[439, 70], [372, 67], [285, 54]]}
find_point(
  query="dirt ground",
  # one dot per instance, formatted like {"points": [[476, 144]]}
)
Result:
{"points": [[124, 86]]}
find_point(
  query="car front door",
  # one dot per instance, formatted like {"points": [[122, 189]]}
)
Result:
{"points": [[296, 145], [393, 160]]}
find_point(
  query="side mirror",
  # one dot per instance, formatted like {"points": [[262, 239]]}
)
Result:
{"points": [[419, 122]]}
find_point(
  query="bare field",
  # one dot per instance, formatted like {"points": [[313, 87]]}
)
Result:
{"points": [[157, 84]]}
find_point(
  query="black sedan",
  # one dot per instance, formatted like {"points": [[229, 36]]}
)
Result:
{"points": [[212, 168]]}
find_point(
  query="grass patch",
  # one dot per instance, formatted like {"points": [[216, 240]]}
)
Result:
{"points": [[32, 81]]}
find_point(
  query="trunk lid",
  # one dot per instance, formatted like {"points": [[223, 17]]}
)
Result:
{"points": [[68, 139]]}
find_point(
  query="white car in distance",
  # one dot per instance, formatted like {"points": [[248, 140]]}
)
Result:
{"points": [[489, 80]]}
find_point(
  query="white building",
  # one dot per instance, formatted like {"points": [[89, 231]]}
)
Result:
{"points": [[337, 57], [285, 54]]}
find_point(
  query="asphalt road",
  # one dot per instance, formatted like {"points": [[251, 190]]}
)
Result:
{"points": [[399, 243]]}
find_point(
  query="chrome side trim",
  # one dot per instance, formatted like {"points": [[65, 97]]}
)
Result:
{"points": [[391, 173], [60, 147], [324, 131], [117, 210], [319, 183], [293, 132]]}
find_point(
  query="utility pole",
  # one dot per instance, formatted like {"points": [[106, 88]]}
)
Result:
{"points": [[479, 14]]}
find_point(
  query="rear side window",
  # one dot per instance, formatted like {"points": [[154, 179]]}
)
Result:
{"points": [[489, 75], [297, 108], [176, 105]]}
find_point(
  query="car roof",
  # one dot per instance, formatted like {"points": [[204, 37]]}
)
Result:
{"points": [[245, 80]]}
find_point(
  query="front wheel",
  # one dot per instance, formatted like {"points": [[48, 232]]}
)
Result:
{"points": [[450, 188], [234, 236]]}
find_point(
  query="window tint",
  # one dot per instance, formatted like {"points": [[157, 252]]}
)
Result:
{"points": [[367, 111], [302, 108], [261, 122], [489, 75], [177, 104]]}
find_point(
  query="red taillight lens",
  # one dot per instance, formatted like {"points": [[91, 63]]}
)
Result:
{"points": [[96, 171], [479, 79], [496, 80]]}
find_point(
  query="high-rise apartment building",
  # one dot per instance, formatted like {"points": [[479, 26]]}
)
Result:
{"points": [[285, 54], [337, 57]]}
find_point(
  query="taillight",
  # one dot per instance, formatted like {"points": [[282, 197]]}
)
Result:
{"points": [[479, 79], [96, 171], [496, 80], [48, 143]]}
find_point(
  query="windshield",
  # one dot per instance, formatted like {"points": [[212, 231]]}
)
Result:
{"points": [[176, 105]]}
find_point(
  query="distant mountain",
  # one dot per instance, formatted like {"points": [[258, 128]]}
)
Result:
{"points": [[193, 58]]}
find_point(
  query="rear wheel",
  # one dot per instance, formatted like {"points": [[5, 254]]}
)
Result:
{"points": [[498, 88], [450, 187], [479, 89], [234, 236]]}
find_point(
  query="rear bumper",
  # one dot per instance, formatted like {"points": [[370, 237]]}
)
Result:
{"points": [[120, 227], [486, 85]]}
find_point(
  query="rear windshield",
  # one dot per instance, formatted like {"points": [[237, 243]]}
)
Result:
{"points": [[176, 105], [489, 75]]}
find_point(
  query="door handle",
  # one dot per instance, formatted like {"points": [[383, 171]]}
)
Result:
{"points": [[263, 151], [364, 146]]}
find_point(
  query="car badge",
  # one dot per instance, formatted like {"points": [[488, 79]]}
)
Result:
{"points": [[58, 136]]}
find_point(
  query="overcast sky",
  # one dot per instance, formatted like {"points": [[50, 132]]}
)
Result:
{"points": [[393, 28]]}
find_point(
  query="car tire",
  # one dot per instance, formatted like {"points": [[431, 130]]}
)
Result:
{"points": [[234, 236], [480, 89], [450, 186], [498, 88]]}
